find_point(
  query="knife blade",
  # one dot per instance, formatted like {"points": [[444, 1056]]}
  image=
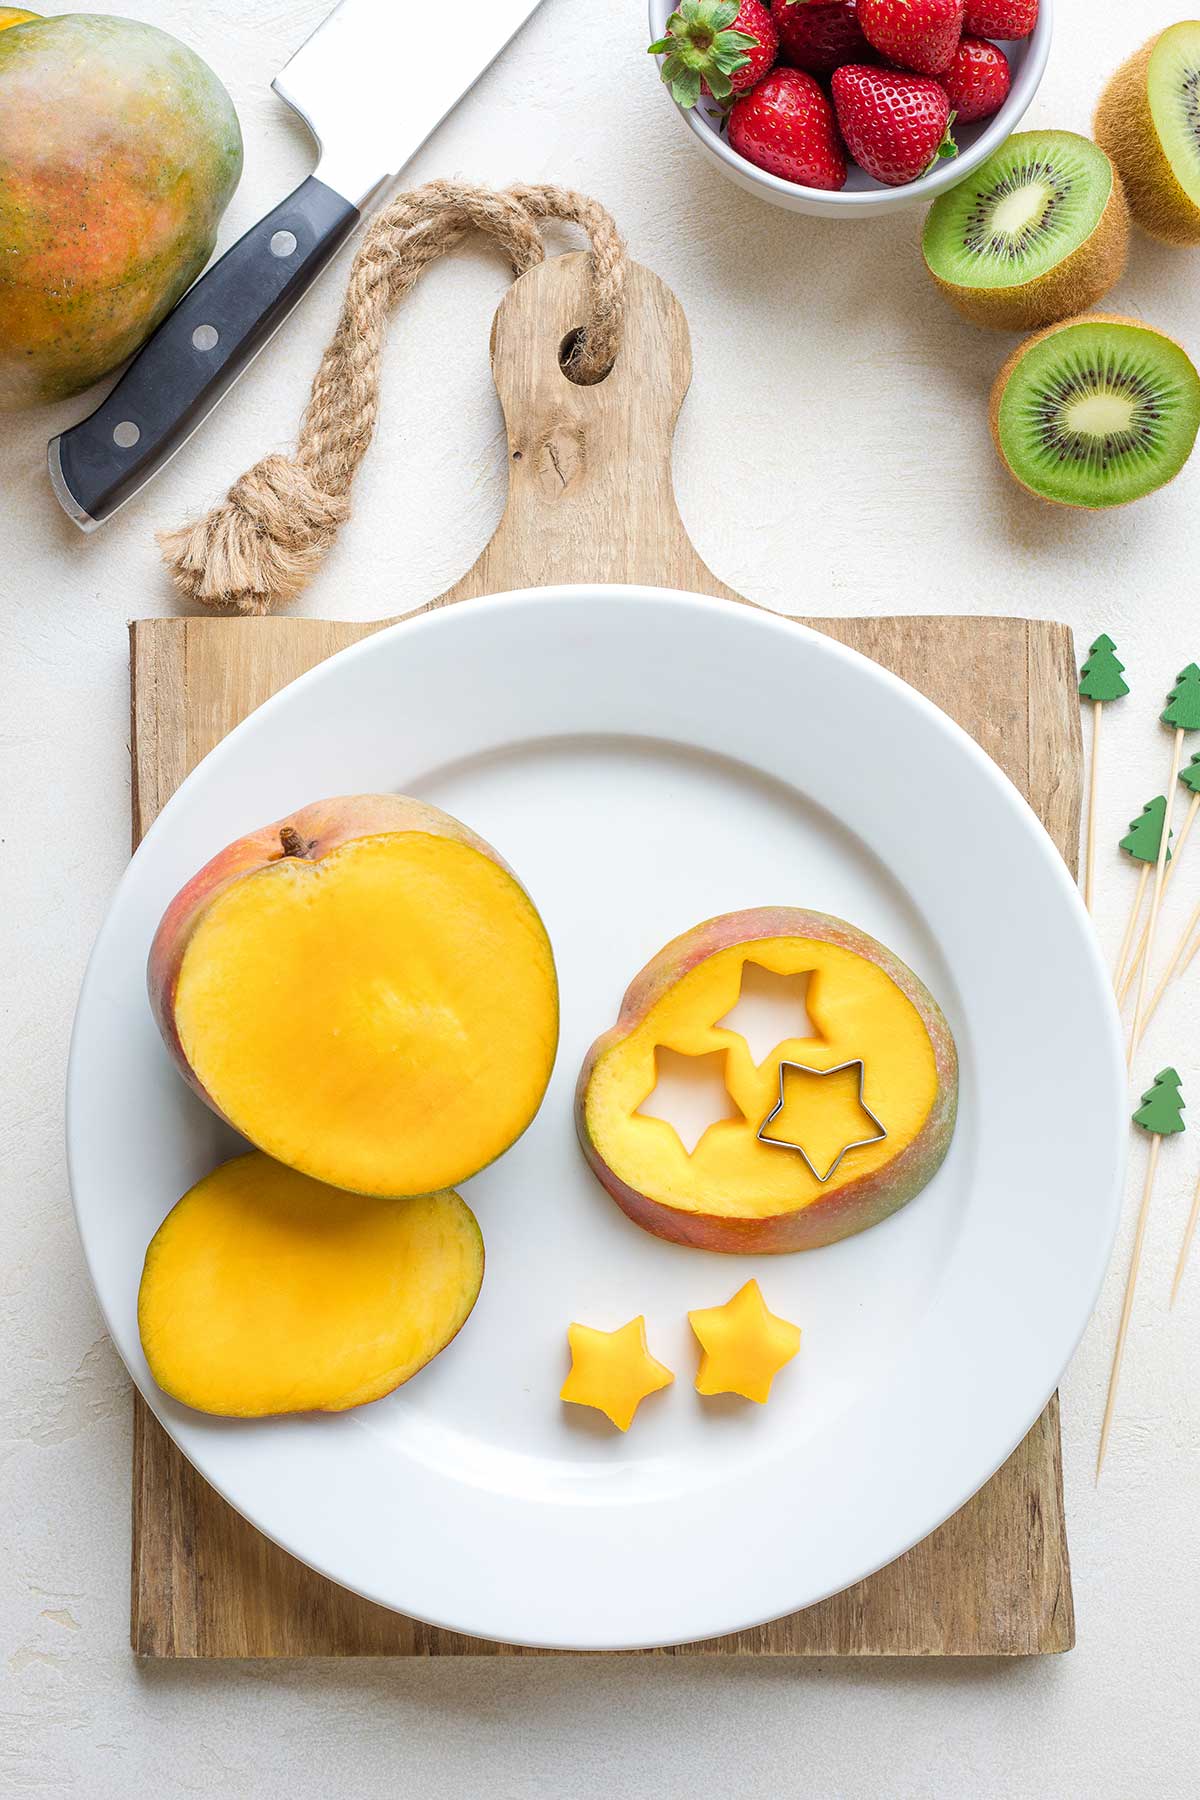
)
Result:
{"points": [[345, 82]]}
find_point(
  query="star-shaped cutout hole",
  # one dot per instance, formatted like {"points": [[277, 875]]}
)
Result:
{"points": [[744, 1346], [823, 1114], [613, 1371], [770, 1010], [689, 1094]]}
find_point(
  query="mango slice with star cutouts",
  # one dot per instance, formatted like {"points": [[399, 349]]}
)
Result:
{"points": [[871, 1095]]}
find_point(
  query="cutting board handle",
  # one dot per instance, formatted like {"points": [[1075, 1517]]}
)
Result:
{"points": [[590, 495]]}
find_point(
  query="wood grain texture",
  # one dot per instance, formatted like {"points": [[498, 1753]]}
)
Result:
{"points": [[591, 500]]}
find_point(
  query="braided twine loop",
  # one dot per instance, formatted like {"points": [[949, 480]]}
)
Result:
{"points": [[264, 541]]}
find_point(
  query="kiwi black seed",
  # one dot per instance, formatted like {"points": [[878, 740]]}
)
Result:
{"points": [[1038, 233], [1096, 412], [1148, 120]]}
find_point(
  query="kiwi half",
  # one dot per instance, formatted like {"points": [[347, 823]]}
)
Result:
{"points": [[1037, 233], [1096, 412], [1148, 120]]}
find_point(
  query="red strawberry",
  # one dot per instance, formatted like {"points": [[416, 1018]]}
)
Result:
{"points": [[786, 126], [717, 47], [1000, 18], [896, 126], [977, 81], [817, 36], [917, 34]]}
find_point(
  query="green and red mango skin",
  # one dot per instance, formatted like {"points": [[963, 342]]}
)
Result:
{"points": [[119, 152], [851, 1205], [324, 826]]}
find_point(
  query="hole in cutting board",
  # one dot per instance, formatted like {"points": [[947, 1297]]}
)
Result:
{"points": [[567, 349], [770, 1009], [689, 1094]]}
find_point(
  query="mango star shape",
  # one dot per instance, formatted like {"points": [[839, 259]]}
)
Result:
{"points": [[744, 1346], [613, 1371]]}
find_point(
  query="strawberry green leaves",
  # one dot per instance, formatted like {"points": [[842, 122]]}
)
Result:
{"points": [[947, 148], [702, 53]]}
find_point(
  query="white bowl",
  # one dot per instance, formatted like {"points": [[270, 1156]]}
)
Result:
{"points": [[863, 195]]}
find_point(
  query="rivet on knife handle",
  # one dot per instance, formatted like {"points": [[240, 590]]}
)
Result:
{"points": [[198, 351]]}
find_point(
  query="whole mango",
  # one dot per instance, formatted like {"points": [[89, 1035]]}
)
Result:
{"points": [[119, 152]]}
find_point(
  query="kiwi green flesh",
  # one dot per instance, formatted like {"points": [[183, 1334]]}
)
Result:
{"points": [[1021, 213], [1097, 414], [1173, 89]]}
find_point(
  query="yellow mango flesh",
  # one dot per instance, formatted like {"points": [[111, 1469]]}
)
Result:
{"points": [[263, 1293], [613, 1371], [384, 1018], [857, 1011], [744, 1345]]}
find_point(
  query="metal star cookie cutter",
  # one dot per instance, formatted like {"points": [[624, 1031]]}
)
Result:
{"points": [[765, 1137]]}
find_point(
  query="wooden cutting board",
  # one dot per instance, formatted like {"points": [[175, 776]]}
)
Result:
{"points": [[591, 499]]}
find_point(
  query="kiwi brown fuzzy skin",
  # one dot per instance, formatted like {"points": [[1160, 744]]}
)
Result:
{"points": [[1124, 128], [1001, 382], [1064, 292]]}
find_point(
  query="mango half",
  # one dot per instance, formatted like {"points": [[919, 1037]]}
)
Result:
{"points": [[262, 1293], [365, 991], [734, 1193]]}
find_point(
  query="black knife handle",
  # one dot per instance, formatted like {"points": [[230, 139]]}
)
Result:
{"points": [[197, 352]]}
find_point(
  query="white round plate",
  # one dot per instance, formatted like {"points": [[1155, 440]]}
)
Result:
{"points": [[646, 759]]}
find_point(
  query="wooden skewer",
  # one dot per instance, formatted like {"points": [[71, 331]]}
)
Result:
{"points": [[1089, 880], [1135, 1264], [1135, 1030], [1185, 1247], [1135, 911], [1179, 961], [1177, 852], [1100, 681]]}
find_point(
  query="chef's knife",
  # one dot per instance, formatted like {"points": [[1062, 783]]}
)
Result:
{"points": [[371, 95]]}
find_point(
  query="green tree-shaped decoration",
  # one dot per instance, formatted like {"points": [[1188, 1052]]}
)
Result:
{"points": [[1100, 676], [1190, 774], [1182, 710], [1162, 1106], [1145, 832], [1182, 714], [1099, 681], [1161, 1114], [699, 47]]}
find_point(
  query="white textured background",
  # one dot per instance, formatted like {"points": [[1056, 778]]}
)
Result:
{"points": [[833, 456]]}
